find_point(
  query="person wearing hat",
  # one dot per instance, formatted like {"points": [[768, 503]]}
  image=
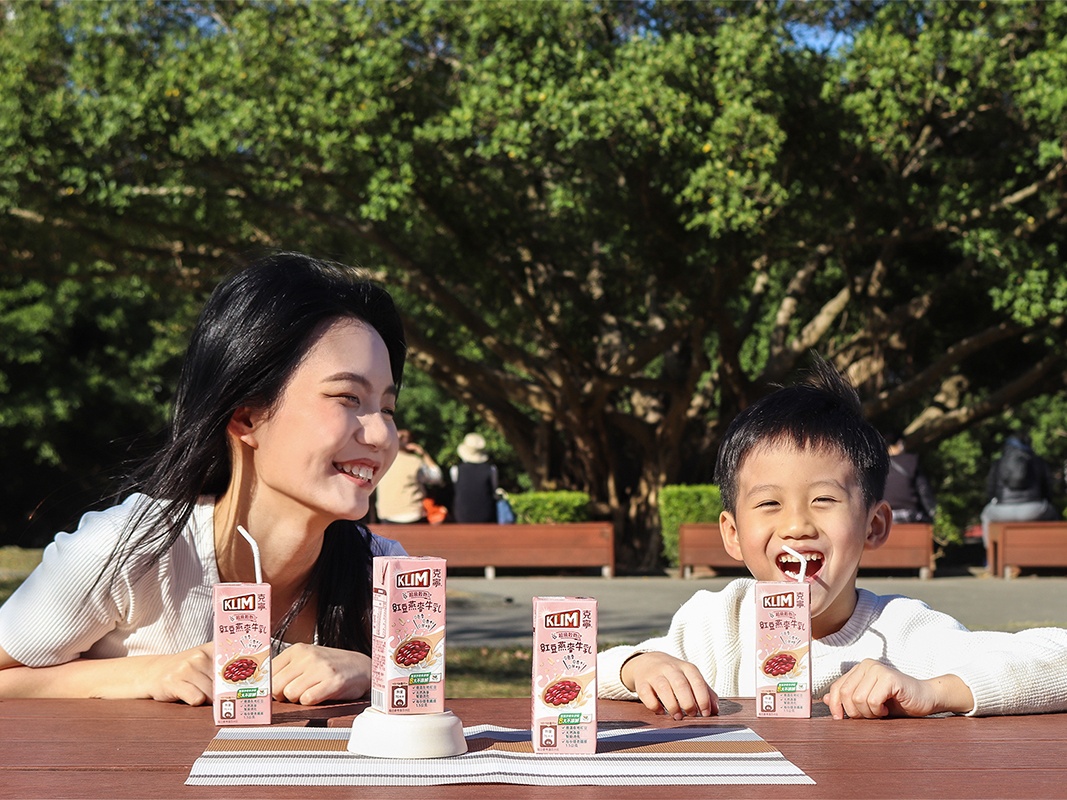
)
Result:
{"points": [[474, 480]]}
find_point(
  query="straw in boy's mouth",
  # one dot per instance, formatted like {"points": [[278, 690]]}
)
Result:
{"points": [[790, 564]]}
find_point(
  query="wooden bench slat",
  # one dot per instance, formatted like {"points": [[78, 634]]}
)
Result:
{"points": [[488, 545]]}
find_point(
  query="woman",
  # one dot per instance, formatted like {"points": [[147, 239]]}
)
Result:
{"points": [[283, 424]]}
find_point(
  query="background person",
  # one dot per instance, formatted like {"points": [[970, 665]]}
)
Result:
{"points": [[907, 489], [282, 424], [402, 490], [474, 482], [1019, 486]]}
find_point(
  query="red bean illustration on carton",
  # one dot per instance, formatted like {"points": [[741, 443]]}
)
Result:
{"points": [[564, 675], [779, 664], [408, 635]]}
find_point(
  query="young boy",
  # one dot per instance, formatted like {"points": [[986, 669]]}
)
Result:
{"points": [[802, 468]]}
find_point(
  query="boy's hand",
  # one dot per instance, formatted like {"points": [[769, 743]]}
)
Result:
{"points": [[668, 684], [871, 690], [310, 674]]}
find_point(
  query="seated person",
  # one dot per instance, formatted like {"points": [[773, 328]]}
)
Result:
{"points": [[283, 425], [402, 491], [907, 490], [1019, 486], [801, 467]]}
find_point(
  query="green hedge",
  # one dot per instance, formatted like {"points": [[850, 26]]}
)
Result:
{"points": [[678, 504], [540, 507]]}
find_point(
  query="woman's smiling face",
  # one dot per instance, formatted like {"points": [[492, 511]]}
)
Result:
{"points": [[812, 502], [323, 448]]}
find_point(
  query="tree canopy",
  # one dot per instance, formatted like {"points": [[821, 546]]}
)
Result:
{"points": [[610, 226]]}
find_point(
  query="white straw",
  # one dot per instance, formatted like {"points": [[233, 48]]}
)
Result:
{"points": [[255, 553], [803, 562]]}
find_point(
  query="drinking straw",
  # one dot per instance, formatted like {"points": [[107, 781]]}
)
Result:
{"points": [[803, 562], [255, 552]]}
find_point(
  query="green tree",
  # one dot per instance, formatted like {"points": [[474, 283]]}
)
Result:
{"points": [[610, 226]]}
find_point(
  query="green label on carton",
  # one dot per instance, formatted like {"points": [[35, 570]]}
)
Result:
{"points": [[570, 719], [419, 678], [787, 686]]}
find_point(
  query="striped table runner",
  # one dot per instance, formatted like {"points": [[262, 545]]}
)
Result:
{"points": [[626, 756]]}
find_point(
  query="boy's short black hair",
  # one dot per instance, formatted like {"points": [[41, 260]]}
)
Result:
{"points": [[822, 413]]}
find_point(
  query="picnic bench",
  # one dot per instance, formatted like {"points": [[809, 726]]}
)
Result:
{"points": [[1013, 545], [909, 546], [488, 545], [700, 545]]}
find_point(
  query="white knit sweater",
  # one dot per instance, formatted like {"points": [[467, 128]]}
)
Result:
{"points": [[1008, 673], [62, 611]]}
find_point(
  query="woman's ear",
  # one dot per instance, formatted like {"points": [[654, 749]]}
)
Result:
{"points": [[878, 527], [728, 531], [243, 426]]}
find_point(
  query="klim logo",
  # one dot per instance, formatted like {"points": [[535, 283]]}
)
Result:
{"points": [[245, 602], [564, 619], [413, 580], [784, 600]]}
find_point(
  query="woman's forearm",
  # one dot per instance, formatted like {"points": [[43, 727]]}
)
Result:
{"points": [[185, 677]]}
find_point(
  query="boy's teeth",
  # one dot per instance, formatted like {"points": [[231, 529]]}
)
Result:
{"points": [[790, 564]]}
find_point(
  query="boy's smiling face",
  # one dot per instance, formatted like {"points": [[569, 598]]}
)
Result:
{"points": [[812, 501]]}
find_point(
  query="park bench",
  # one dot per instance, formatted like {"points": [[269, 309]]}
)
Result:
{"points": [[1013, 545], [489, 546], [700, 545], [909, 546]]}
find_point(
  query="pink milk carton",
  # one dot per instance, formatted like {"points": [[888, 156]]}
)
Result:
{"points": [[242, 653], [408, 635], [783, 644], [564, 675]]}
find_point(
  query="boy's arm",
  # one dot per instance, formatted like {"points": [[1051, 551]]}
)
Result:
{"points": [[680, 672], [185, 677], [871, 690], [1006, 673], [669, 685]]}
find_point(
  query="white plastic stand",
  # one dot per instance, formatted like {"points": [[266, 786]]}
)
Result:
{"points": [[381, 735]]}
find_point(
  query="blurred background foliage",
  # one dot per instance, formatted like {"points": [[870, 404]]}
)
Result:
{"points": [[610, 226]]}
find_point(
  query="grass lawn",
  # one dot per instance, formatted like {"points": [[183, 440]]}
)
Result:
{"points": [[487, 672], [470, 671], [15, 564]]}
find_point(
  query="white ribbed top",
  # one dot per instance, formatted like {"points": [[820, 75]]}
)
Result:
{"points": [[57, 614]]}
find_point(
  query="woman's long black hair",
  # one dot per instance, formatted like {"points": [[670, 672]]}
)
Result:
{"points": [[254, 331]]}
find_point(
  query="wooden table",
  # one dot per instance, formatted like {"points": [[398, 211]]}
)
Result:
{"points": [[141, 749]]}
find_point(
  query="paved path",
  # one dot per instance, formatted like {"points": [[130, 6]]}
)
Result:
{"points": [[498, 612]]}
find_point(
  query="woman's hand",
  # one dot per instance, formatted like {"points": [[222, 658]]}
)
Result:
{"points": [[186, 677], [311, 674]]}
